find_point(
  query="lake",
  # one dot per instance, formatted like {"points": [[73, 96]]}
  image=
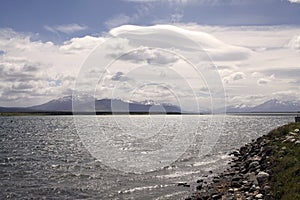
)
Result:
{"points": [[119, 157]]}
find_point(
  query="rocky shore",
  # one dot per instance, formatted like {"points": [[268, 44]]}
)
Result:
{"points": [[255, 170]]}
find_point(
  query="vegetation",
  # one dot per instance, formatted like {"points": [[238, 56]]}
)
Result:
{"points": [[285, 162]]}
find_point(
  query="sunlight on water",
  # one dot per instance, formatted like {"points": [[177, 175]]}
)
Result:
{"points": [[44, 156]]}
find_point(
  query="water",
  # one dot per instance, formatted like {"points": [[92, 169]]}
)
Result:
{"points": [[44, 157]]}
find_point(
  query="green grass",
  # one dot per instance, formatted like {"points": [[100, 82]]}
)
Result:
{"points": [[285, 164]]}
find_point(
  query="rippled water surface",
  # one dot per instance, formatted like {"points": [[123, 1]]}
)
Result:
{"points": [[45, 157]]}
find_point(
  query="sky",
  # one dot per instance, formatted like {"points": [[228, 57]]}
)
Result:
{"points": [[254, 45]]}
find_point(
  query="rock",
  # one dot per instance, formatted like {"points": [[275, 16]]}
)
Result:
{"points": [[292, 133], [253, 165], [267, 188], [262, 177], [289, 138], [235, 153], [283, 148], [296, 130], [252, 188], [200, 181], [199, 187], [252, 178], [183, 184], [216, 179], [230, 190], [243, 150], [217, 196], [257, 158], [236, 178], [297, 142], [259, 196], [236, 184]]}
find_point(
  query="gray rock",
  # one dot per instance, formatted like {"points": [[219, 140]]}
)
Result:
{"points": [[217, 196], [236, 178], [292, 133], [262, 177], [199, 187], [253, 164]]}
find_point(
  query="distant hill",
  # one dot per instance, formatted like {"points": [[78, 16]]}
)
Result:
{"points": [[273, 105], [64, 104]]}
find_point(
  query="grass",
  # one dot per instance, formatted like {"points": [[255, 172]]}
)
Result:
{"points": [[285, 163]]}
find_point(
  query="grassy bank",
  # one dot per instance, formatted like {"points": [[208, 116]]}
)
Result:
{"points": [[285, 162]]}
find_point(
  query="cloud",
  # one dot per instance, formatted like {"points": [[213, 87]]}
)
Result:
{"points": [[234, 77], [34, 71], [118, 76], [118, 20], [216, 49], [66, 28], [148, 55], [294, 43], [294, 1], [78, 45], [263, 81]]}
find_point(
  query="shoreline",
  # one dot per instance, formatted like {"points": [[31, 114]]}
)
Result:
{"points": [[58, 113], [266, 168]]}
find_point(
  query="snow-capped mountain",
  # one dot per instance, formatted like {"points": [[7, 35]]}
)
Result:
{"points": [[64, 104], [60, 104], [273, 105], [238, 108]]}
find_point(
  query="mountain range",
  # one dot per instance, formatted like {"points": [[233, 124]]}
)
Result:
{"points": [[273, 105], [64, 104]]}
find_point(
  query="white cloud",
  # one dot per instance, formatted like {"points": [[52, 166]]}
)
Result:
{"points": [[66, 28], [215, 48], [234, 77], [294, 1], [295, 43], [36, 71], [118, 20], [79, 45]]}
